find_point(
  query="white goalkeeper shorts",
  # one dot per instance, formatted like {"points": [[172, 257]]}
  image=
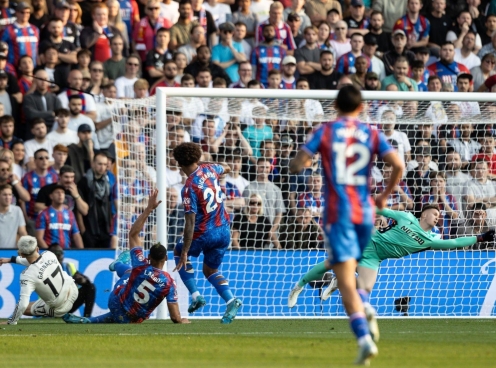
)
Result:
{"points": [[40, 308]]}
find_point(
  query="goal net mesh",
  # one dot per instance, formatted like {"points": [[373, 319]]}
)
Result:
{"points": [[449, 154]]}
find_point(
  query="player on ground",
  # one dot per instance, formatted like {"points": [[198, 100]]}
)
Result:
{"points": [[404, 236], [143, 285], [206, 227], [347, 147], [44, 275]]}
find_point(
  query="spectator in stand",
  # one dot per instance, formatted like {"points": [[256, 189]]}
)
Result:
{"points": [[283, 35], [288, 80], [239, 36], [480, 188], [115, 66], [203, 60], [97, 81], [12, 224], [181, 62], [221, 13], [8, 176], [489, 48], [358, 78], [418, 74], [400, 77], [180, 31], [125, 84], [205, 19], [301, 231], [7, 125], [96, 38], [333, 17], [10, 104], [340, 44], [115, 19], [62, 134], [415, 26], [59, 155], [234, 160], [317, 9], [146, 31], [372, 82], [346, 63], [447, 68], [297, 8], [370, 51], [273, 201], [19, 153], [130, 15], [57, 224], [168, 79], [40, 141], [383, 39], [465, 55], [36, 179], [460, 28], [261, 9], [66, 50], [418, 177], [468, 109], [446, 202], [476, 223], [440, 24], [482, 72], [251, 229], [196, 39], [308, 56], [39, 17], [357, 21], [105, 131], [267, 56], [228, 54], [327, 77], [75, 82], [96, 192], [258, 132], [490, 27], [12, 86], [465, 145], [400, 199], [71, 28], [81, 154], [399, 41], [399, 140], [244, 75], [83, 61], [27, 44], [313, 198], [247, 17], [391, 11], [294, 22], [57, 72], [487, 153], [25, 80]]}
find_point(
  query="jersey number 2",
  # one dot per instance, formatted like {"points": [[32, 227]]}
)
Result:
{"points": [[213, 198], [347, 174], [145, 288], [54, 288]]}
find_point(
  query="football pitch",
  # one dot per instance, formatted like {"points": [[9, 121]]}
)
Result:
{"points": [[246, 343]]}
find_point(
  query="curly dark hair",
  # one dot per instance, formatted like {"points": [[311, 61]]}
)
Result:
{"points": [[187, 154]]}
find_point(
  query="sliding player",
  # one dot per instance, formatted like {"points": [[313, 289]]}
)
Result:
{"points": [[347, 147], [206, 227], [406, 235], [142, 286], [44, 275]]}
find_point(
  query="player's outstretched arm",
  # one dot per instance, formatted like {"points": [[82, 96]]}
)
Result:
{"points": [[465, 241], [174, 313], [302, 160], [153, 202], [394, 160]]}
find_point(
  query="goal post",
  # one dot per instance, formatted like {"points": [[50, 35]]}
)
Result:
{"points": [[456, 283]]}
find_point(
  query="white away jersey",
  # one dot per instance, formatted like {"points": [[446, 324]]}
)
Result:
{"points": [[46, 277]]}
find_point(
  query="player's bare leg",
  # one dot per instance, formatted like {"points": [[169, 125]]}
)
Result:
{"points": [[221, 284], [345, 273], [365, 283]]}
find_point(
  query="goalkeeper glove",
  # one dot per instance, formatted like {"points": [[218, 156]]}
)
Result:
{"points": [[488, 236]]}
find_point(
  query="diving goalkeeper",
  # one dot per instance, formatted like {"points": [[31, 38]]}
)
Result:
{"points": [[404, 236]]}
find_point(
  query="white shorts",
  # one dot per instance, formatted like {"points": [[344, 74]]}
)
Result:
{"points": [[40, 308]]}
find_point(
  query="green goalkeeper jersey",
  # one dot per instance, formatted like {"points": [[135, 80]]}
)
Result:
{"points": [[405, 236]]}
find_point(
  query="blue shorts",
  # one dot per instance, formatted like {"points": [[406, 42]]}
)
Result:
{"points": [[119, 315], [213, 244], [345, 240]]}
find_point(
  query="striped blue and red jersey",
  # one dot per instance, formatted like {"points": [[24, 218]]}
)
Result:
{"points": [[24, 85], [284, 36], [203, 196], [346, 63], [347, 147], [414, 31], [7, 16], [32, 182], [288, 85], [265, 58], [448, 72], [21, 41], [146, 288], [59, 226]]}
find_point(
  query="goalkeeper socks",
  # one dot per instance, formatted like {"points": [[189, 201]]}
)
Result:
{"points": [[222, 286], [104, 318], [315, 273], [121, 268], [359, 325], [187, 274]]}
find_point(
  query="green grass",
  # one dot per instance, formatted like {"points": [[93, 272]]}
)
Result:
{"points": [[246, 343]]}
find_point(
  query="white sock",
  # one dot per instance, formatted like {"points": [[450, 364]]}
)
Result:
{"points": [[195, 295], [364, 339], [230, 300]]}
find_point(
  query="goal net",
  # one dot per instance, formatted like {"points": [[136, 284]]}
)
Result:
{"points": [[445, 139]]}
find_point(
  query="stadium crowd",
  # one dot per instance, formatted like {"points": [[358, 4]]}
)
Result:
{"points": [[60, 62]]}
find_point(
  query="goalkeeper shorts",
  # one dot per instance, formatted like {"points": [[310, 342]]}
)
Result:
{"points": [[370, 258]]}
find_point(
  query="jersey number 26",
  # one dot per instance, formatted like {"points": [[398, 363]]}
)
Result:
{"points": [[346, 174], [213, 199]]}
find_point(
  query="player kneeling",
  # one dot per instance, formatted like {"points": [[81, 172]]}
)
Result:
{"points": [[143, 285], [44, 275]]}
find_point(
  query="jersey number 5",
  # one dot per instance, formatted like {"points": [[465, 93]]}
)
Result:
{"points": [[54, 288], [213, 198], [347, 174], [145, 288]]}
